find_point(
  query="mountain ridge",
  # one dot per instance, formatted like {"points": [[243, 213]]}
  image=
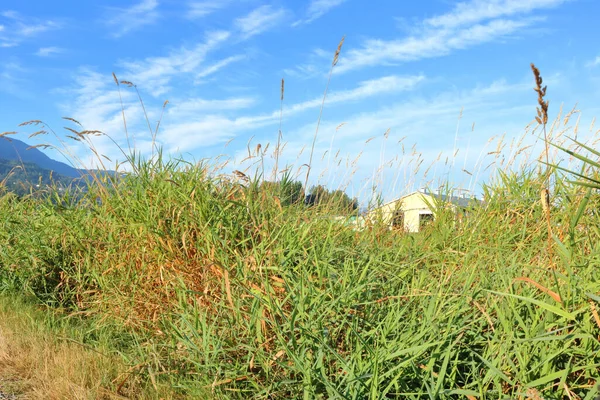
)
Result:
{"points": [[17, 150]]}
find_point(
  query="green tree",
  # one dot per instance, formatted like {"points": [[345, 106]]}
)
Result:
{"points": [[287, 190], [336, 200]]}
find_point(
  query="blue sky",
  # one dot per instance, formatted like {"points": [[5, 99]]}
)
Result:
{"points": [[415, 82]]}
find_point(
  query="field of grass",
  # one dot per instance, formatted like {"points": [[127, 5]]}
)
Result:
{"points": [[210, 286]]}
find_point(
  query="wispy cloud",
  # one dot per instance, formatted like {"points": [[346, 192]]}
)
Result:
{"points": [[12, 81], [94, 101], [318, 63], [211, 69], [471, 12], [124, 20], [305, 71], [192, 135], [364, 90], [201, 9], [156, 73], [593, 63], [188, 64], [181, 108], [259, 20], [49, 51], [16, 28], [200, 130], [318, 8], [466, 25]]}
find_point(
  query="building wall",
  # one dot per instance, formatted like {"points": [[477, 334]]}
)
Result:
{"points": [[412, 206]]}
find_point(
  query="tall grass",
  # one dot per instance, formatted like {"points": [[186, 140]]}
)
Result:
{"points": [[223, 291]]}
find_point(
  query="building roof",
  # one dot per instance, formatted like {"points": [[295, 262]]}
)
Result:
{"points": [[460, 201], [457, 200]]}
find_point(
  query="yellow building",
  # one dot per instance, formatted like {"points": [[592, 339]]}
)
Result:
{"points": [[413, 211]]}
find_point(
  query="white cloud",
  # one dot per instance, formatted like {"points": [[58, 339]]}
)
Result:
{"points": [[156, 73], [11, 14], [12, 81], [593, 63], [95, 103], [193, 106], [259, 20], [218, 65], [318, 8], [205, 132], [49, 51], [318, 63], [465, 13], [365, 89], [304, 71], [197, 123], [201, 130], [124, 20], [467, 25], [18, 28], [201, 9]]}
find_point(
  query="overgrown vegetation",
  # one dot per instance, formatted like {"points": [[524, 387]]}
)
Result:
{"points": [[221, 286]]}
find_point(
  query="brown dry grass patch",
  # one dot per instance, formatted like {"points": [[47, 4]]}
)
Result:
{"points": [[38, 364]]}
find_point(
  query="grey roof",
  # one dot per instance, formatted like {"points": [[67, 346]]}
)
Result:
{"points": [[457, 200]]}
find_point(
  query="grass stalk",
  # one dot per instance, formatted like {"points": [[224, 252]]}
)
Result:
{"points": [[312, 148]]}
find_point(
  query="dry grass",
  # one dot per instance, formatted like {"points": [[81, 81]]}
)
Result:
{"points": [[38, 363], [542, 119], [312, 150]]}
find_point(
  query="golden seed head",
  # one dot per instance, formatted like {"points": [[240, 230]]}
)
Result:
{"points": [[34, 134], [337, 51], [542, 110], [32, 122], [72, 120]]}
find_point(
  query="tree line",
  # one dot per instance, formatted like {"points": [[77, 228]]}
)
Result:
{"points": [[292, 192]]}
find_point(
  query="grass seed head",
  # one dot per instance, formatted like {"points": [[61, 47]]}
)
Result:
{"points": [[72, 120], [337, 51], [542, 110]]}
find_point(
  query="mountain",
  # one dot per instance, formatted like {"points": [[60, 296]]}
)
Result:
{"points": [[12, 149], [23, 178]]}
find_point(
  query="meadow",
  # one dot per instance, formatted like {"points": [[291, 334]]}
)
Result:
{"points": [[201, 284]]}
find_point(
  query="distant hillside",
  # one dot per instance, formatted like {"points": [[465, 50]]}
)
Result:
{"points": [[24, 178], [12, 149]]}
